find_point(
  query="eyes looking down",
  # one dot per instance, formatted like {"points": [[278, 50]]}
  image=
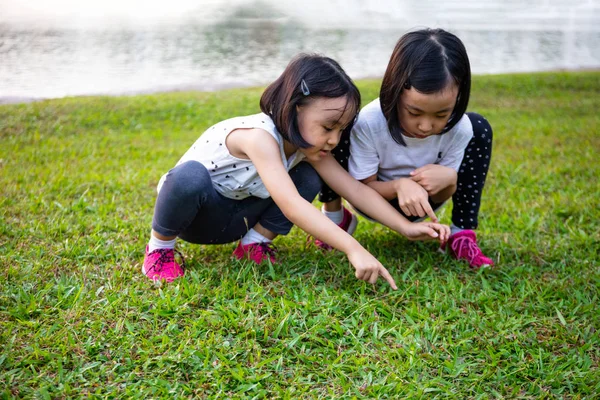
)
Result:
{"points": [[321, 123], [425, 114]]}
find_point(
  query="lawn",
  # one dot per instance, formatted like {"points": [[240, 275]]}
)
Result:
{"points": [[78, 319]]}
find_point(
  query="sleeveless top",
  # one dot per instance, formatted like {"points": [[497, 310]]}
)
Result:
{"points": [[233, 177]]}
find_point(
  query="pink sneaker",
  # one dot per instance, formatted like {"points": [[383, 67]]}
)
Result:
{"points": [[349, 223], [463, 246], [160, 264], [257, 252]]}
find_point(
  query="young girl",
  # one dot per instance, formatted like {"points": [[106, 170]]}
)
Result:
{"points": [[253, 177], [416, 146]]}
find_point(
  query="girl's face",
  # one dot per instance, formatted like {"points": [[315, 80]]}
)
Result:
{"points": [[422, 115], [321, 123]]}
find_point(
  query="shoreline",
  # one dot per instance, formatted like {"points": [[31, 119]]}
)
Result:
{"points": [[169, 89], [9, 100]]}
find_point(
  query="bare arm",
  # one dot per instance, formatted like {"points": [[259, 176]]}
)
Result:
{"points": [[263, 150], [412, 198], [439, 181], [444, 195], [388, 190], [371, 202]]}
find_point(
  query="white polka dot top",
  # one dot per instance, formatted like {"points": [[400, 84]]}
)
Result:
{"points": [[234, 177]]}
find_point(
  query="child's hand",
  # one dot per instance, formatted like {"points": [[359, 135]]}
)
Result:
{"points": [[427, 231], [368, 268], [413, 199], [434, 178]]}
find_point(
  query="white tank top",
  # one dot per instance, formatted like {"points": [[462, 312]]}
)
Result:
{"points": [[233, 177]]}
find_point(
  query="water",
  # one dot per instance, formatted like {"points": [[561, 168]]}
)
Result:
{"points": [[57, 48]]}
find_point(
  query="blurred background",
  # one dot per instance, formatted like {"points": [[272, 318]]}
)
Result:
{"points": [[56, 48]]}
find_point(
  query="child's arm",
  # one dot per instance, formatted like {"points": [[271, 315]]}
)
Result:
{"points": [[439, 181], [260, 147], [372, 203], [430, 181], [413, 199]]}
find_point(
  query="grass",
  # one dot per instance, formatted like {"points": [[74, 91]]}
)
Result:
{"points": [[78, 319]]}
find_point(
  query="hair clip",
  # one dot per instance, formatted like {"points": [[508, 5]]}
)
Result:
{"points": [[304, 88]]}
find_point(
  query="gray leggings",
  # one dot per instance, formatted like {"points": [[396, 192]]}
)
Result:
{"points": [[188, 206]]}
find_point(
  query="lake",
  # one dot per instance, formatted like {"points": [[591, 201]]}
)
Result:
{"points": [[58, 48]]}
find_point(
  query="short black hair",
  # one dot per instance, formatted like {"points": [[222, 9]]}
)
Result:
{"points": [[427, 60], [306, 77]]}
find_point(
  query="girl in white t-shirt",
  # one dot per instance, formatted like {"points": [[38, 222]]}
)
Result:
{"points": [[253, 177], [416, 145]]}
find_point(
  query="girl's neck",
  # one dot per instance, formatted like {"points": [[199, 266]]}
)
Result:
{"points": [[289, 149]]}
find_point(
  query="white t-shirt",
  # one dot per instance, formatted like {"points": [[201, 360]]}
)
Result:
{"points": [[233, 177], [373, 151]]}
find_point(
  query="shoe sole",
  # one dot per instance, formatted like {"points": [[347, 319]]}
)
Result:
{"points": [[158, 280], [146, 275], [353, 225], [443, 251]]}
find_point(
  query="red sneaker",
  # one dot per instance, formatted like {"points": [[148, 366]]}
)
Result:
{"points": [[463, 246], [349, 223], [160, 264], [257, 252]]}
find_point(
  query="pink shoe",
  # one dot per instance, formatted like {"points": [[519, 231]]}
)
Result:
{"points": [[349, 223], [463, 246], [257, 252], [160, 264]]}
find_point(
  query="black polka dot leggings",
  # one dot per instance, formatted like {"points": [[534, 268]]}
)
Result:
{"points": [[471, 174], [341, 153]]}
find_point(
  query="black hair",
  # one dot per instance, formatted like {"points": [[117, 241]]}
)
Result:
{"points": [[306, 77], [427, 60]]}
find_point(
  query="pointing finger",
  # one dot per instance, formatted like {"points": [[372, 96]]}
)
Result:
{"points": [[386, 275], [430, 212]]}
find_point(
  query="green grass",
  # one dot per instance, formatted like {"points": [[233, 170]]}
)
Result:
{"points": [[78, 319]]}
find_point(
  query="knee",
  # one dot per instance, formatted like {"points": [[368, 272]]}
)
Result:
{"points": [[307, 180], [482, 130], [188, 178]]}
